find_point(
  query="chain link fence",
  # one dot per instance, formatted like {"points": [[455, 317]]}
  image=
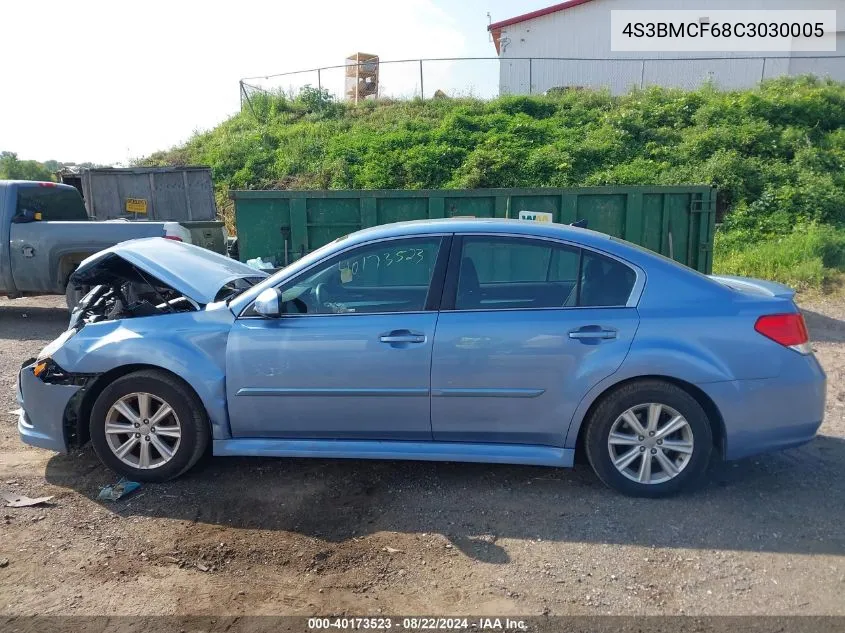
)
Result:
{"points": [[489, 77]]}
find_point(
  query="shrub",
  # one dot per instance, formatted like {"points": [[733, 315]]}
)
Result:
{"points": [[807, 257], [776, 152]]}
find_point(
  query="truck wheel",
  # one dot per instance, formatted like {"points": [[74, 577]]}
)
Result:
{"points": [[149, 426]]}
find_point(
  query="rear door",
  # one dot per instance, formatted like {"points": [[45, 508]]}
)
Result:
{"points": [[527, 327]]}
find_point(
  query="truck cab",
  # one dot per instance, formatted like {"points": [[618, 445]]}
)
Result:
{"points": [[45, 233]]}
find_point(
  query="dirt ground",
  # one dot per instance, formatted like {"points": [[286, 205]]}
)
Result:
{"points": [[301, 537]]}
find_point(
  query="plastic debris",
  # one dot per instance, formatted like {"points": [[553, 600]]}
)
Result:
{"points": [[14, 500], [113, 492], [15, 412], [392, 550], [260, 263]]}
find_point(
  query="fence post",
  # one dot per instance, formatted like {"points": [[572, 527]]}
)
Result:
{"points": [[763, 71], [319, 82], [642, 76], [530, 74], [422, 91]]}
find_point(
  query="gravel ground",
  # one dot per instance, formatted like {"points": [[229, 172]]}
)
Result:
{"points": [[261, 536]]}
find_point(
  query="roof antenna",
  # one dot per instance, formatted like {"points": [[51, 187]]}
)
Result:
{"points": [[580, 224]]}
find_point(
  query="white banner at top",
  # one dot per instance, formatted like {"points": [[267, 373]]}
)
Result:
{"points": [[705, 30]]}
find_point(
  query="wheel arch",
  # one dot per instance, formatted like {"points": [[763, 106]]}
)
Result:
{"points": [[78, 411], [714, 416]]}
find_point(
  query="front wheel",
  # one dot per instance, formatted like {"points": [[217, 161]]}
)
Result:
{"points": [[73, 295], [149, 426], [649, 439]]}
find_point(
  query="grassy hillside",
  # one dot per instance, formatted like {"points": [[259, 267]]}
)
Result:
{"points": [[776, 153]]}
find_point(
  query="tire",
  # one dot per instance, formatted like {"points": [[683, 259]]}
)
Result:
{"points": [[73, 295], [693, 441], [187, 419]]}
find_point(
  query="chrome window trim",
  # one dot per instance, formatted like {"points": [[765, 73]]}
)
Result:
{"points": [[633, 298], [301, 273]]}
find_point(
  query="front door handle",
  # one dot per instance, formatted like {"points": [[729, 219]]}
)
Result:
{"points": [[402, 336], [593, 332]]}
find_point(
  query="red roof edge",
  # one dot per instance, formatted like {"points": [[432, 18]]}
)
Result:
{"points": [[536, 14]]}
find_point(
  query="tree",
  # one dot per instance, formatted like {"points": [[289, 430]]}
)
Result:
{"points": [[11, 168]]}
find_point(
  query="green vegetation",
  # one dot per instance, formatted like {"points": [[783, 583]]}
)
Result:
{"points": [[11, 168], [776, 153]]}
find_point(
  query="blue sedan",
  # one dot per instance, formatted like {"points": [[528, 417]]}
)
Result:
{"points": [[493, 341]]}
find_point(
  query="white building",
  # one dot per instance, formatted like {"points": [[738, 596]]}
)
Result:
{"points": [[579, 31]]}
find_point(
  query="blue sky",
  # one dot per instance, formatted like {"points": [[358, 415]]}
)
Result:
{"points": [[111, 81]]}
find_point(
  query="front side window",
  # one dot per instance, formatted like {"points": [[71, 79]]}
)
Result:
{"points": [[510, 273], [390, 276]]}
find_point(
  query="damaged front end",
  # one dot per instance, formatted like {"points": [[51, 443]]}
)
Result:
{"points": [[117, 289], [182, 287]]}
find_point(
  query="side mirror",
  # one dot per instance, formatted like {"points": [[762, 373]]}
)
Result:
{"points": [[26, 216], [268, 304]]}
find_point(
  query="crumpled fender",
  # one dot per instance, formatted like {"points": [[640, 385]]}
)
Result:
{"points": [[191, 345]]}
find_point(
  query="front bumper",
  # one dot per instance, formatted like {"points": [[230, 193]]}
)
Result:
{"points": [[770, 414], [42, 410]]}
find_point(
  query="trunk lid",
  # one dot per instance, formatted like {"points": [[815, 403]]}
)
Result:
{"points": [[759, 287], [197, 273]]}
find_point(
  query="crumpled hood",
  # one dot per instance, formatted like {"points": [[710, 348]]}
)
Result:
{"points": [[197, 273]]}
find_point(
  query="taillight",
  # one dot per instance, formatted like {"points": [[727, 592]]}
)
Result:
{"points": [[46, 184], [173, 237], [787, 329]]}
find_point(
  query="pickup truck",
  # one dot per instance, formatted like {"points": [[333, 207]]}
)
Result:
{"points": [[45, 233]]}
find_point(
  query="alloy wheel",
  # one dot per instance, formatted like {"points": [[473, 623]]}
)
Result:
{"points": [[650, 443], [142, 430]]}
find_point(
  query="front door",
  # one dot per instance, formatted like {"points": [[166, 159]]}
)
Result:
{"points": [[533, 326], [352, 358]]}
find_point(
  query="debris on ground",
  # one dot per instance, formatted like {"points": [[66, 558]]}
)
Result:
{"points": [[113, 492], [392, 550], [14, 500], [4, 562]]}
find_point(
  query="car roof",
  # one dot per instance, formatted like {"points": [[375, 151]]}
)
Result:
{"points": [[481, 225]]}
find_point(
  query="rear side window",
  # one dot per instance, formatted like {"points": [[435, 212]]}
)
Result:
{"points": [[605, 281], [53, 203], [510, 273]]}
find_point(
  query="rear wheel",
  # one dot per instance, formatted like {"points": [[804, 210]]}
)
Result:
{"points": [[149, 426], [649, 439]]}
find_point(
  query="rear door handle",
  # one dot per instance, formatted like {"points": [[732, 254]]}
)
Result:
{"points": [[402, 336], [592, 332]]}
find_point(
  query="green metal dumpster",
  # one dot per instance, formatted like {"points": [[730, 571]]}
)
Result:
{"points": [[282, 226]]}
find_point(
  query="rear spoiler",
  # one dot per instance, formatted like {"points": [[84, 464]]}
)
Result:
{"points": [[755, 286]]}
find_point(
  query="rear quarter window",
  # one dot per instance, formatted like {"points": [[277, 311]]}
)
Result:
{"points": [[54, 203]]}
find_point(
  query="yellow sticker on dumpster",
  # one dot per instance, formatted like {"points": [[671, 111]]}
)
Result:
{"points": [[136, 205], [536, 216]]}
